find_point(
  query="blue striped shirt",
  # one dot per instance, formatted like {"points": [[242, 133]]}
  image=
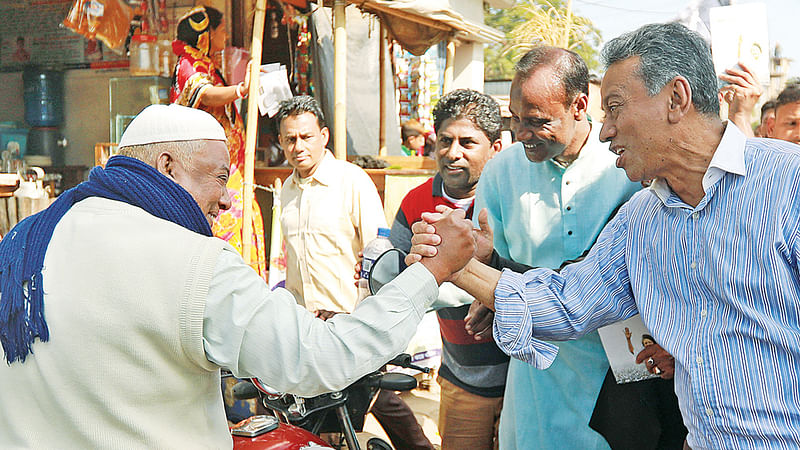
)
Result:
{"points": [[716, 284]]}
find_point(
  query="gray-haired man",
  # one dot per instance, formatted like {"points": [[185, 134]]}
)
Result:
{"points": [[709, 256]]}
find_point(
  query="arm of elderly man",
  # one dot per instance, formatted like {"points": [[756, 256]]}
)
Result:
{"points": [[258, 333]]}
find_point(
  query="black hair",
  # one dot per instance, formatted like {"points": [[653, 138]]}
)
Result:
{"points": [[647, 336], [411, 128], [790, 94], [480, 109], [566, 64], [188, 35], [299, 105]]}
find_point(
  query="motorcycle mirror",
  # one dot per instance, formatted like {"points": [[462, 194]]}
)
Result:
{"points": [[398, 382], [386, 268]]}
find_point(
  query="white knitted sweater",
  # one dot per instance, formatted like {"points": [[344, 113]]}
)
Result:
{"points": [[125, 367]]}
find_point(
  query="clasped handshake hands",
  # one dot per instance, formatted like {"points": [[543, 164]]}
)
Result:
{"points": [[444, 242], [447, 236]]}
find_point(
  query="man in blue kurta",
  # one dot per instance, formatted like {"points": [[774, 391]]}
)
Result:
{"points": [[548, 197]]}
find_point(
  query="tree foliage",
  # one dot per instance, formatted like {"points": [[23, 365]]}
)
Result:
{"points": [[536, 22]]}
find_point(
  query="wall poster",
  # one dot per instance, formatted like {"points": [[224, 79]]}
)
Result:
{"points": [[31, 33]]}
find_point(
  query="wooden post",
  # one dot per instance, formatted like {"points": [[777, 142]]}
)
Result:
{"points": [[4, 227], [251, 133], [382, 50], [275, 235], [339, 80], [449, 62], [13, 218]]}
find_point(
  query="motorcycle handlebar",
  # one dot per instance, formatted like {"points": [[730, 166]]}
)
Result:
{"points": [[244, 390], [404, 360]]}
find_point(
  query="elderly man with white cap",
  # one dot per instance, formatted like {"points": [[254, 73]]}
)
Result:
{"points": [[118, 307]]}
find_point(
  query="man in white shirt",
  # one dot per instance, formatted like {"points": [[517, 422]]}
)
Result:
{"points": [[143, 305]]}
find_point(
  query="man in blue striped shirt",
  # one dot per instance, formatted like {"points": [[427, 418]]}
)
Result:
{"points": [[708, 256]]}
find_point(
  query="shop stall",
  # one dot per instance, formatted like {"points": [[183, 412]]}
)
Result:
{"points": [[367, 102], [90, 71]]}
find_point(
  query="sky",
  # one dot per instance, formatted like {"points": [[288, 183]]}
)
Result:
{"points": [[614, 17]]}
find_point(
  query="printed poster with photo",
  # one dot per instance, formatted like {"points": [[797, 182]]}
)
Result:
{"points": [[740, 33], [622, 341], [31, 33]]}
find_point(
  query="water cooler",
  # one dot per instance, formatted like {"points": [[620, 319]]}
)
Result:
{"points": [[44, 112], [128, 96]]}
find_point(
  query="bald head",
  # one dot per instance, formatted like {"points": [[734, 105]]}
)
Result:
{"points": [[567, 68]]}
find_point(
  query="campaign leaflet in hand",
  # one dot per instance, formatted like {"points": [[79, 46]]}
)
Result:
{"points": [[622, 341], [273, 88], [739, 33]]}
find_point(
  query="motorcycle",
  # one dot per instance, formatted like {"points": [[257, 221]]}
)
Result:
{"points": [[297, 422]]}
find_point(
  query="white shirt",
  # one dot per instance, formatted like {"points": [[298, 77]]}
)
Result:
{"points": [[461, 203]]}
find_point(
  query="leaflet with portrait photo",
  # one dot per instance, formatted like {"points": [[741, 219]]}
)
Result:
{"points": [[622, 341]]}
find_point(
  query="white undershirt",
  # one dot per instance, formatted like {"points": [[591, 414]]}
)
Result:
{"points": [[461, 203]]}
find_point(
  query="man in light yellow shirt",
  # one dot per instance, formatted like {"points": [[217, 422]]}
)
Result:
{"points": [[330, 211]]}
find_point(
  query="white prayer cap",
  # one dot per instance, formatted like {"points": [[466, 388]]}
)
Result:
{"points": [[171, 123]]}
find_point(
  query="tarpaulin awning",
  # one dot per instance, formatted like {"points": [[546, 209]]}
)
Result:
{"points": [[418, 24]]}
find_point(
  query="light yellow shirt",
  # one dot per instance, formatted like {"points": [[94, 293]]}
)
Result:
{"points": [[325, 222]]}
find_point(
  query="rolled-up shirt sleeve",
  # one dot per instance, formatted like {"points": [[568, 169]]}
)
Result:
{"points": [[255, 332], [544, 304]]}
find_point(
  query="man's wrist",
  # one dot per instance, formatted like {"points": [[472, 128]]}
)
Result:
{"points": [[479, 280], [738, 115], [435, 269]]}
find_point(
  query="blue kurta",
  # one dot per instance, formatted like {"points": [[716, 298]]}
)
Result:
{"points": [[543, 214]]}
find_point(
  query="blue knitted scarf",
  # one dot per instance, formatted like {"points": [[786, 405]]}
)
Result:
{"points": [[22, 249]]}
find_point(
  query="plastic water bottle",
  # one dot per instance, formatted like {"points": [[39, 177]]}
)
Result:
{"points": [[372, 251]]}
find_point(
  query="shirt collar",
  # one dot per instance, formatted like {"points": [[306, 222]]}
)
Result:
{"points": [[728, 158], [661, 189], [325, 173]]}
